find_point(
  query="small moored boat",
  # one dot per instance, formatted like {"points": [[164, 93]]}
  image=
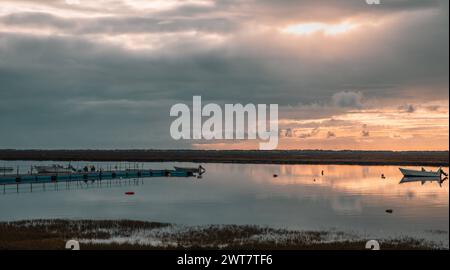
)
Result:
{"points": [[199, 170], [55, 168], [422, 173]]}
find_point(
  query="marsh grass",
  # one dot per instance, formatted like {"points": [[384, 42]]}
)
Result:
{"points": [[103, 234]]}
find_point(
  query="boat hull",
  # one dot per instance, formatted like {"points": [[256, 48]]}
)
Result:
{"points": [[411, 179], [199, 170], [52, 169], [414, 173]]}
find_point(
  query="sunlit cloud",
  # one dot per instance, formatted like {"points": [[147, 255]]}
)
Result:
{"points": [[72, 2], [156, 42], [313, 28], [161, 5]]}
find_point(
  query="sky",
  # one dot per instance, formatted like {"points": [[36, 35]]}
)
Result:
{"points": [[77, 74]]}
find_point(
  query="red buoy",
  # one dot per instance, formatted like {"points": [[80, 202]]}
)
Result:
{"points": [[129, 193]]}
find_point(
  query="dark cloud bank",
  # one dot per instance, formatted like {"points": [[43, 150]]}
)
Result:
{"points": [[70, 91]]}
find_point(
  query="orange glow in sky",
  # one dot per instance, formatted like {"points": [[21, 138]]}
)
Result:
{"points": [[312, 28]]}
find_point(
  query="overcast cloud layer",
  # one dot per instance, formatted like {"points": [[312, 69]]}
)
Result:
{"points": [[104, 74]]}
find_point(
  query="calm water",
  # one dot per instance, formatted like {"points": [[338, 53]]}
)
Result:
{"points": [[347, 198]]}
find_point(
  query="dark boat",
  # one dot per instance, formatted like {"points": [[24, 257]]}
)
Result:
{"points": [[199, 169]]}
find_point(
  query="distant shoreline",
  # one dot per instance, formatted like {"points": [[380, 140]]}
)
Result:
{"points": [[406, 158]]}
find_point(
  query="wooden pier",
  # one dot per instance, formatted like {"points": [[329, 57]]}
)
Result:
{"points": [[16, 179]]}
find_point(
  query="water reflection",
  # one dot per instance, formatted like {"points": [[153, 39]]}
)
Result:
{"points": [[424, 180], [351, 180], [349, 198], [69, 185]]}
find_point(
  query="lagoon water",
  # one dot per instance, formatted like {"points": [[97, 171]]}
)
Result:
{"points": [[352, 199]]}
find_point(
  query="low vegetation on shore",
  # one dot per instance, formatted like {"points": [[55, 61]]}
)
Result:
{"points": [[407, 158], [127, 234]]}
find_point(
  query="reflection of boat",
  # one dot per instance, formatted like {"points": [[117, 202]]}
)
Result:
{"points": [[422, 173], [199, 169], [6, 169], [422, 179], [55, 168]]}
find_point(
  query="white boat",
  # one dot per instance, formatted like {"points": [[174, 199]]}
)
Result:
{"points": [[55, 168], [422, 173]]}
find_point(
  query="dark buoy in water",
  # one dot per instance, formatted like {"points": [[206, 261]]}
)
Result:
{"points": [[275, 175], [389, 211], [129, 193]]}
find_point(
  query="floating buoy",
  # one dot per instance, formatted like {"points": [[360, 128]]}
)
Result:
{"points": [[390, 211], [129, 193], [275, 175]]}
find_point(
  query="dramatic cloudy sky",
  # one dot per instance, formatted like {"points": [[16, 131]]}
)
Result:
{"points": [[104, 73]]}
